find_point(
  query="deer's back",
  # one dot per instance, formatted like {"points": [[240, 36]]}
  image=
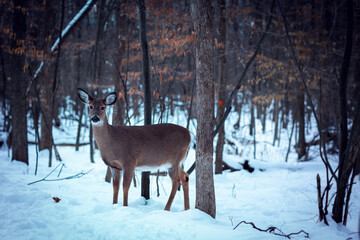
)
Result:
{"points": [[157, 144]]}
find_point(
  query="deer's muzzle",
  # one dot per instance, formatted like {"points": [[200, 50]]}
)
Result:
{"points": [[95, 119]]}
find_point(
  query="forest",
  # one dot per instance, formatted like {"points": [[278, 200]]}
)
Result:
{"points": [[264, 87]]}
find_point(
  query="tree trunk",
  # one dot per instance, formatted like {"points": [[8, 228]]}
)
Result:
{"points": [[252, 110], [18, 84], [47, 80], [118, 110], [202, 15], [222, 87], [77, 143], [301, 143], [343, 176], [263, 120], [145, 176], [276, 120], [91, 141], [285, 107], [99, 37], [118, 114]]}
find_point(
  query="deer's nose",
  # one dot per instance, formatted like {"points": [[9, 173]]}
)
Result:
{"points": [[95, 119]]}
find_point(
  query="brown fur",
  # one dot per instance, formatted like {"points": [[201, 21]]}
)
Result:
{"points": [[125, 148]]}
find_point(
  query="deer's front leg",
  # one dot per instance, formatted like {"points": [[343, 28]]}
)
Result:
{"points": [[116, 183], [128, 175]]}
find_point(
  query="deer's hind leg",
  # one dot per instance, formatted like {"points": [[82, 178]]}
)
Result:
{"points": [[184, 177], [174, 175]]}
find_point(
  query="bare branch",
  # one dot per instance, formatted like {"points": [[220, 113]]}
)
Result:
{"points": [[274, 230], [302, 77], [78, 175], [239, 83], [66, 31]]}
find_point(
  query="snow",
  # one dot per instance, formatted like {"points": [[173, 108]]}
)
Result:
{"points": [[276, 194]]}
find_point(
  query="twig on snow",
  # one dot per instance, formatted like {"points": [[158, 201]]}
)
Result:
{"points": [[78, 175], [274, 230]]}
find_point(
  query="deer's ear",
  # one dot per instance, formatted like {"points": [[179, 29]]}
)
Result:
{"points": [[110, 99], [84, 96]]}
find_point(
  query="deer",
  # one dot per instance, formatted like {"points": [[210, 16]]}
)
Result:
{"points": [[125, 148]]}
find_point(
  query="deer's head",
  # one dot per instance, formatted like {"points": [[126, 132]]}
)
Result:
{"points": [[97, 107]]}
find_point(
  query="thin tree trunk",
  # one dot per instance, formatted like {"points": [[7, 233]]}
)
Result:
{"points": [[263, 120], [276, 120], [96, 74], [55, 84], [289, 146], [252, 110], [222, 87], [91, 142], [301, 143], [342, 177], [79, 128], [145, 176], [202, 15]]}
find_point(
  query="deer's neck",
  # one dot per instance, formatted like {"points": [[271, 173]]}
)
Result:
{"points": [[101, 131]]}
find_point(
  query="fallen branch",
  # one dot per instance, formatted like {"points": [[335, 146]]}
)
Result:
{"points": [[78, 175], [227, 166], [274, 230]]}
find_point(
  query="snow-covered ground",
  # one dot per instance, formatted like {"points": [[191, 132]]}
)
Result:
{"points": [[276, 194]]}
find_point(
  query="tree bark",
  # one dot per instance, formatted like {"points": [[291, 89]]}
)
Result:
{"points": [[276, 120], [301, 143], [77, 143], [97, 71], [222, 87], [342, 177], [145, 176], [202, 15], [18, 84], [118, 110], [252, 107], [46, 81]]}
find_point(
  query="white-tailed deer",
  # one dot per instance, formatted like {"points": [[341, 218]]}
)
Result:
{"points": [[125, 148]]}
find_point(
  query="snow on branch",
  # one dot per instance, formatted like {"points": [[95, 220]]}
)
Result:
{"points": [[66, 30], [71, 23], [39, 69]]}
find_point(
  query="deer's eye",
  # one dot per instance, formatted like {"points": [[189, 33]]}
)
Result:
{"points": [[102, 108], [91, 107]]}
